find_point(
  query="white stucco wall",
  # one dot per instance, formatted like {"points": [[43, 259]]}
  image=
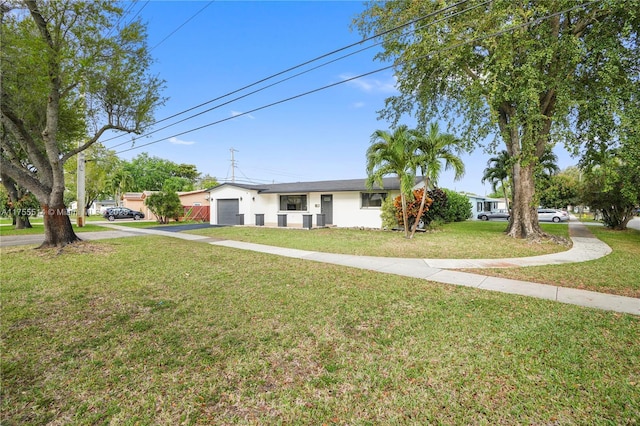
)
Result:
{"points": [[347, 210], [474, 200], [245, 199]]}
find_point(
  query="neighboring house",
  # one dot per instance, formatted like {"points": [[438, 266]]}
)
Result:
{"points": [[341, 203], [199, 197], [481, 204], [96, 208], [135, 201], [196, 204]]}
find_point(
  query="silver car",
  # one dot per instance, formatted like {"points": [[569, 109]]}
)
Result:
{"points": [[552, 215], [495, 214]]}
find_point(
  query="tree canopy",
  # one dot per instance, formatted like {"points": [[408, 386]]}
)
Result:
{"points": [[151, 173], [71, 72], [611, 185], [531, 73], [100, 165], [562, 190]]}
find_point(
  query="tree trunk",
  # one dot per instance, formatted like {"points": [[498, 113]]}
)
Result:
{"points": [[405, 217], [617, 218], [15, 193], [58, 231], [22, 222], [421, 210], [524, 216]]}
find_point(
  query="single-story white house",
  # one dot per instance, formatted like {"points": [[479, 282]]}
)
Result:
{"points": [[341, 203], [481, 204], [97, 207]]}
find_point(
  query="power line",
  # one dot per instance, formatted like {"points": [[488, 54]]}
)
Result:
{"points": [[284, 79], [413, 21], [243, 96], [182, 25], [138, 12], [124, 13], [476, 39]]}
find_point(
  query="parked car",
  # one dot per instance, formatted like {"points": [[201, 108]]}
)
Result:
{"points": [[114, 213], [552, 215], [495, 214]]}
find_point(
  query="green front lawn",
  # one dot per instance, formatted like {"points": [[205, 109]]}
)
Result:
{"points": [[38, 228], [150, 223], [617, 273], [470, 239], [119, 332]]}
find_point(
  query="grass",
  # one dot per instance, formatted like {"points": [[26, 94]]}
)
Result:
{"points": [[38, 219], [38, 228], [151, 223], [118, 332], [470, 239], [617, 273]]}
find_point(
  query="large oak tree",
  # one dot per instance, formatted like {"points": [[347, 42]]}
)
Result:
{"points": [[71, 71], [533, 73]]}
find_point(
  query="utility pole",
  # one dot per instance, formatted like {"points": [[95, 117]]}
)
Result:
{"points": [[233, 165], [81, 190], [80, 176]]}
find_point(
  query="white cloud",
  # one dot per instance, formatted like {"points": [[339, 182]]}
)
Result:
{"points": [[237, 113], [372, 85], [357, 105], [177, 141]]}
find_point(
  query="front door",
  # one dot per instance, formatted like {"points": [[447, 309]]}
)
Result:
{"points": [[326, 208]]}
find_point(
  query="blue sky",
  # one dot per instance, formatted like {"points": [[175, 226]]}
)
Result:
{"points": [[205, 50]]}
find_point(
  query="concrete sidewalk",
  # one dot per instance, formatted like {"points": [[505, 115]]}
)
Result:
{"points": [[418, 268], [585, 247]]}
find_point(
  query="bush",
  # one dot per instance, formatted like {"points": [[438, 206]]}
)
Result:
{"points": [[442, 206], [458, 208], [165, 205], [413, 207], [388, 214], [438, 210]]}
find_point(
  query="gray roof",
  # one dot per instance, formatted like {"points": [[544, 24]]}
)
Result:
{"points": [[389, 183], [238, 185]]}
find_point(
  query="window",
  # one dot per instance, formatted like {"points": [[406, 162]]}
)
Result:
{"points": [[373, 199], [293, 202]]}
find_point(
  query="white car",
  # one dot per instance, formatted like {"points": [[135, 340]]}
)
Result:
{"points": [[552, 215]]}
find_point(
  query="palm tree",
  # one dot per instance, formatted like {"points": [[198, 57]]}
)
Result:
{"points": [[431, 151], [547, 164], [391, 153], [119, 182], [498, 171]]}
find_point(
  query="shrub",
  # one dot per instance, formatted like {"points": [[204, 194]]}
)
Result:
{"points": [[438, 210], [165, 205], [388, 214], [442, 206], [458, 207], [413, 207]]}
